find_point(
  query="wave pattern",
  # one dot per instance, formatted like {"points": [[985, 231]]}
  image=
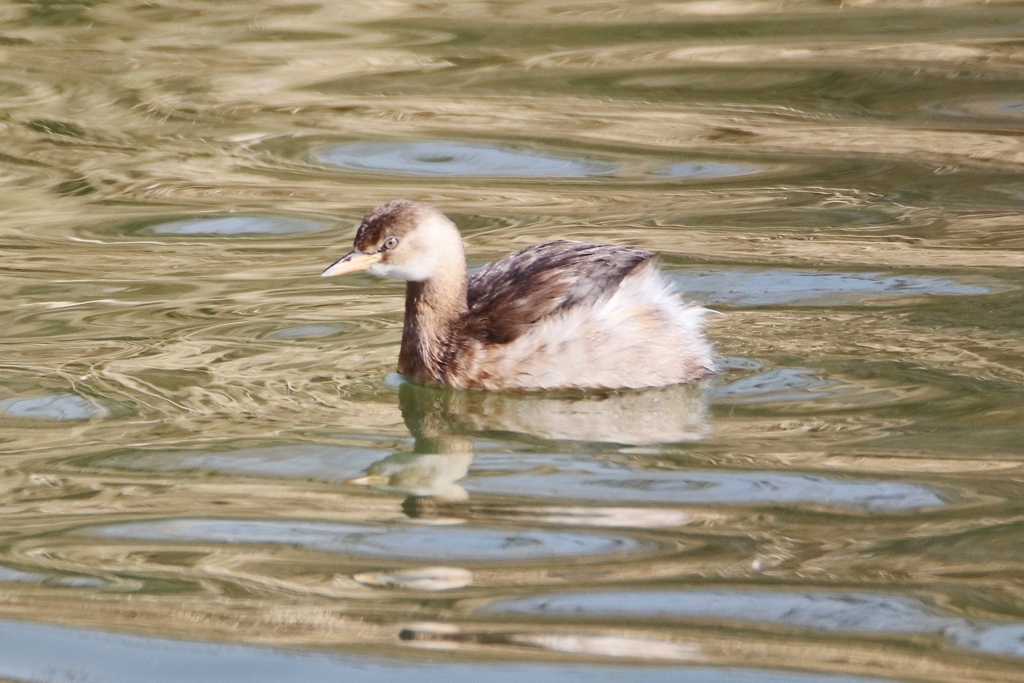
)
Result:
{"points": [[200, 438]]}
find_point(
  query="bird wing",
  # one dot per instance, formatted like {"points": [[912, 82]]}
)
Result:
{"points": [[509, 295]]}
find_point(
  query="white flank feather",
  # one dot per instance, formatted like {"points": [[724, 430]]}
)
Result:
{"points": [[643, 335]]}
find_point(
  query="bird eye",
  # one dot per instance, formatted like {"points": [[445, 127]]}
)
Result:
{"points": [[391, 243]]}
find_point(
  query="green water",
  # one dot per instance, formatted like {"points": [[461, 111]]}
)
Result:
{"points": [[204, 452]]}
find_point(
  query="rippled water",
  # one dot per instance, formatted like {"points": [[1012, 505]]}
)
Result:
{"points": [[209, 472]]}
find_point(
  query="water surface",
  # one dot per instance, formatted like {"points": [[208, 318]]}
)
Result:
{"points": [[208, 469]]}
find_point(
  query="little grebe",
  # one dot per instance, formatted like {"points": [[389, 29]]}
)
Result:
{"points": [[554, 315]]}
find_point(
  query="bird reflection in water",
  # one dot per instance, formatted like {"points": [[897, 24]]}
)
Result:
{"points": [[444, 422]]}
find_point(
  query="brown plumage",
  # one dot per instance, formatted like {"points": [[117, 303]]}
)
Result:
{"points": [[553, 315]]}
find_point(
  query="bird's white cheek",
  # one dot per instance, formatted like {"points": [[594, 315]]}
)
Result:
{"points": [[414, 273]]}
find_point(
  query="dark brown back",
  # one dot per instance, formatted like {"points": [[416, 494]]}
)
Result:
{"points": [[507, 296]]}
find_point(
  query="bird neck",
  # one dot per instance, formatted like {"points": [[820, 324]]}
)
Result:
{"points": [[434, 310]]}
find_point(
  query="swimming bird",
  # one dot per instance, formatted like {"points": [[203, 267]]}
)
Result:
{"points": [[555, 315]]}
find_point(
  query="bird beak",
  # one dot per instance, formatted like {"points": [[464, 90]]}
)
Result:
{"points": [[352, 262]]}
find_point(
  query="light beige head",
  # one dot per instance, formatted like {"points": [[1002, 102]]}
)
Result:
{"points": [[403, 240]]}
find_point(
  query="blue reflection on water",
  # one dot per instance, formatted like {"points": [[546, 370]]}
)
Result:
{"points": [[444, 158], [742, 287], [300, 461], [420, 541], [237, 225], [308, 332], [576, 477], [828, 611], [566, 476], [57, 653], [841, 612], [778, 385], [60, 407]]}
